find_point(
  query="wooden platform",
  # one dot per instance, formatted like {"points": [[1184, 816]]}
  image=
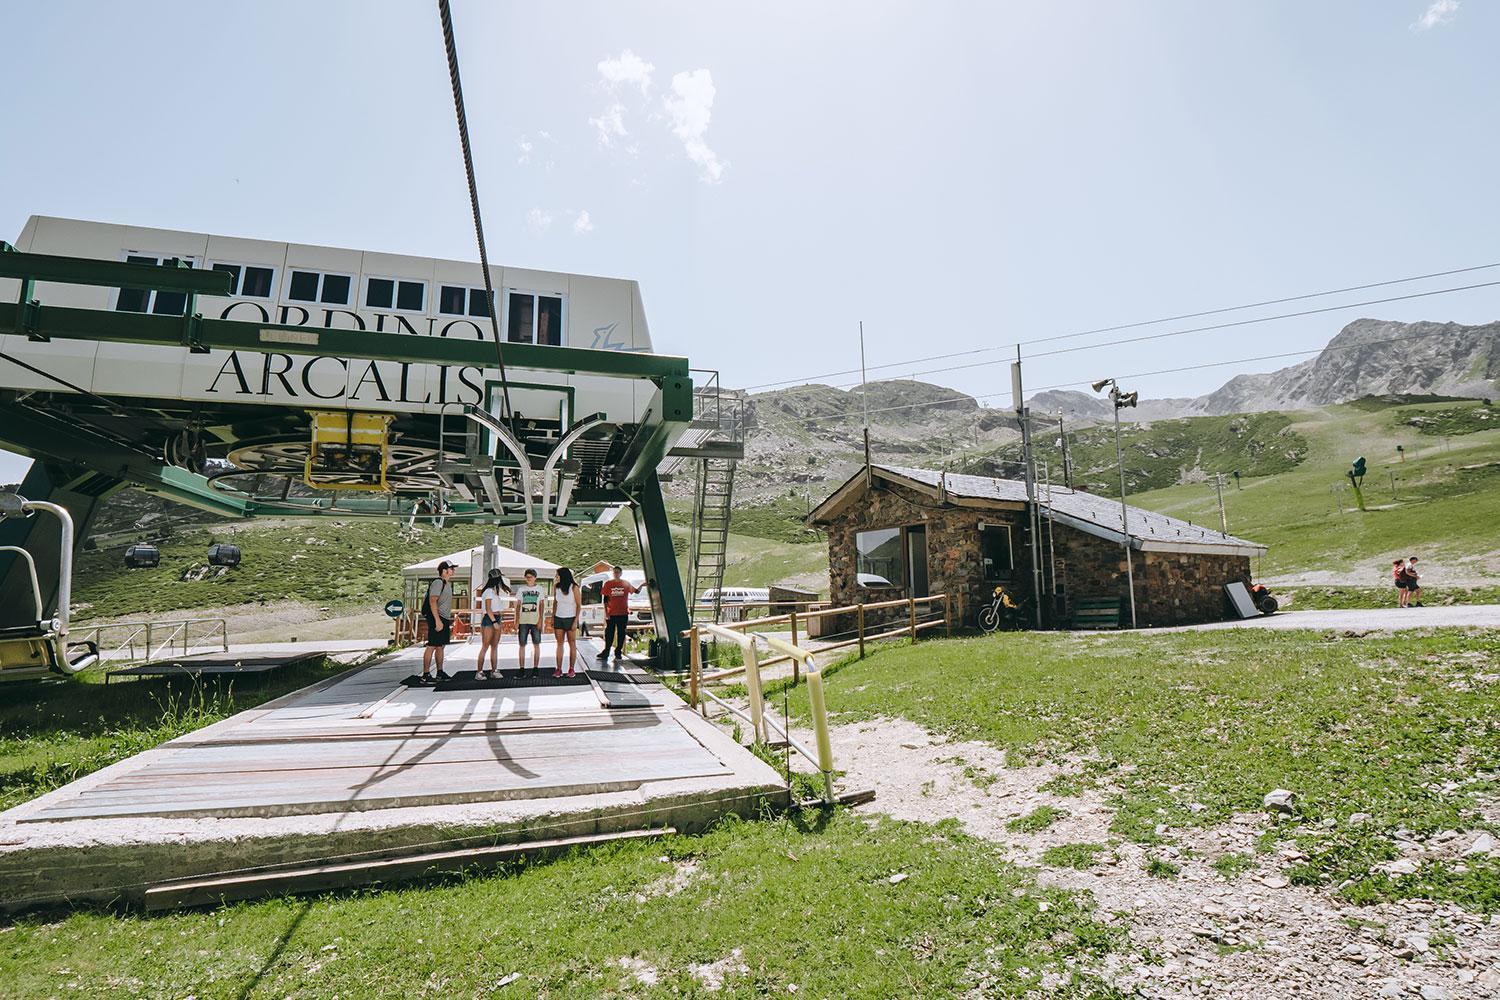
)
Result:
{"points": [[214, 664], [408, 760]]}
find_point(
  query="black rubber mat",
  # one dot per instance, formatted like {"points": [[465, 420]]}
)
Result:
{"points": [[464, 681]]}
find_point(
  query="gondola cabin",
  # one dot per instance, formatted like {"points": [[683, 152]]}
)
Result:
{"points": [[142, 556], [223, 554]]}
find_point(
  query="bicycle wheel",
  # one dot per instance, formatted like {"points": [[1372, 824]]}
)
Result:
{"points": [[989, 619]]}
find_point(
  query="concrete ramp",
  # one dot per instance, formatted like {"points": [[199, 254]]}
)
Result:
{"points": [[363, 767]]}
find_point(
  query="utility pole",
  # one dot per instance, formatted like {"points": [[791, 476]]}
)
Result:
{"points": [[1019, 399], [864, 394], [1122, 399], [1219, 487], [1062, 441]]}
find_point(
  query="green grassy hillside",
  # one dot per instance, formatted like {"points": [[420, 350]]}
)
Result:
{"points": [[336, 563], [1162, 453], [1442, 502]]}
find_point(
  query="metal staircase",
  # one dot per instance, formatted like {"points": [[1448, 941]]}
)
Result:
{"points": [[714, 443], [711, 509]]}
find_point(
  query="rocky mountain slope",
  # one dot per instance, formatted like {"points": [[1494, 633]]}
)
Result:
{"points": [[805, 439]]}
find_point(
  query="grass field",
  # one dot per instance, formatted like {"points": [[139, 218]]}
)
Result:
{"points": [[753, 908], [1191, 728], [1445, 505]]}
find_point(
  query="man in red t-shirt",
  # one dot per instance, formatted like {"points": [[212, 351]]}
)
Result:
{"points": [[617, 593]]}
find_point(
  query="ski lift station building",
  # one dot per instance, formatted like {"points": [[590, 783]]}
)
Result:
{"points": [[251, 377]]}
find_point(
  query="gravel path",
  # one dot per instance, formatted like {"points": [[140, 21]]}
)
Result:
{"points": [[1390, 619], [1197, 934]]}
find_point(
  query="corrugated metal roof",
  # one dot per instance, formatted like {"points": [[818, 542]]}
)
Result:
{"points": [[1086, 511]]}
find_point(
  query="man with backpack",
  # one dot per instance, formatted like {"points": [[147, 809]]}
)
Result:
{"points": [[437, 612]]}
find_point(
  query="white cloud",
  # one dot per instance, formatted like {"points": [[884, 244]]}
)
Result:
{"points": [[1441, 12], [690, 108], [539, 219], [626, 68], [583, 224], [525, 146], [610, 125]]}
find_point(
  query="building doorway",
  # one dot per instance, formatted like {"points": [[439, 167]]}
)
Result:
{"points": [[916, 560]]}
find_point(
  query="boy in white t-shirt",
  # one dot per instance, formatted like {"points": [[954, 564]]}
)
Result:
{"points": [[529, 600]]}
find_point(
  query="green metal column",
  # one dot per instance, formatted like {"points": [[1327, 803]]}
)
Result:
{"points": [[80, 491], [660, 563]]}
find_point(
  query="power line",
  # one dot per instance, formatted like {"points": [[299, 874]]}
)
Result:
{"points": [[1134, 325], [445, 15], [1202, 329], [807, 422]]}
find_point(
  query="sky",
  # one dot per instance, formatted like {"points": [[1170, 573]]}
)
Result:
{"points": [[958, 177]]}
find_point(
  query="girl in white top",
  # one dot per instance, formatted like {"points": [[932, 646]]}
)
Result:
{"points": [[492, 601], [565, 595]]}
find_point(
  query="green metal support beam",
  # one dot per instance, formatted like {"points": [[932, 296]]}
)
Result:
{"points": [[659, 560], [666, 417], [113, 273], [65, 323]]}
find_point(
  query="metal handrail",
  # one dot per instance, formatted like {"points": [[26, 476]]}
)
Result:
{"points": [[824, 760], [147, 630], [752, 675]]}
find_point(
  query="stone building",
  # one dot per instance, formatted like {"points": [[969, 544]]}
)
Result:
{"points": [[919, 532]]}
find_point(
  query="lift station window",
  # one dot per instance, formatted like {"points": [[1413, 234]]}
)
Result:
{"points": [[315, 286], [880, 558], [146, 300], [534, 318], [394, 293], [456, 300], [247, 280]]}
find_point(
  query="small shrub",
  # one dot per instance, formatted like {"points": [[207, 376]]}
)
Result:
{"points": [[1079, 856], [1037, 820]]}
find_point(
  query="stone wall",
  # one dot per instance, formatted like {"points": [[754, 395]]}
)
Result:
{"points": [[953, 555], [1171, 588]]}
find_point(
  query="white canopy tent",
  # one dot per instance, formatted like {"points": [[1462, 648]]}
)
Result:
{"points": [[512, 563]]}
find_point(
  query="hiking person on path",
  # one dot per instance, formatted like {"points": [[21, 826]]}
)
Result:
{"points": [[1398, 576], [529, 599], [492, 612], [617, 593], [565, 595], [1413, 582], [437, 609]]}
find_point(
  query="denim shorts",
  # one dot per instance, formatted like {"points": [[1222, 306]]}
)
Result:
{"points": [[532, 630]]}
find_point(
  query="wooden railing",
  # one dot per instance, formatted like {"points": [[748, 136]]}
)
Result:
{"points": [[920, 616]]}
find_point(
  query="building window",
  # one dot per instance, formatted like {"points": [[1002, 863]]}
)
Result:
{"points": [[532, 318], [148, 300], [995, 551], [456, 300], [878, 558], [248, 280], [315, 286], [395, 293]]}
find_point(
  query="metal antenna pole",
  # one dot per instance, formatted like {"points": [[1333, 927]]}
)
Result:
{"points": [[1114, 395], [864, 393], [1219, 487], [1062, 437], [1018, 398]]}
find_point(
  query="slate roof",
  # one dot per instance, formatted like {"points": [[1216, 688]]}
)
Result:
{"points": [[1088, 512]]}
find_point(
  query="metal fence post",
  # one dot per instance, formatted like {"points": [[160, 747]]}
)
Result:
{"points": [[796, 663], [861, 631]]}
